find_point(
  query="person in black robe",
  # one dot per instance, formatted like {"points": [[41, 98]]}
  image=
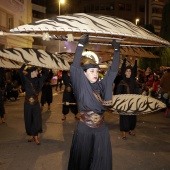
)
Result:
{"points": [[69, 101], [8, 90], [2, 108], [47, 93], [91, 146], [2, 90], [32, 111], [59, 80], [128, 86], [116, 82]]}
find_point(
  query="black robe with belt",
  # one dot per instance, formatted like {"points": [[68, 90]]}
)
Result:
{"points": [[91, 147], [68, 95], [128, 86], [32, 112]]}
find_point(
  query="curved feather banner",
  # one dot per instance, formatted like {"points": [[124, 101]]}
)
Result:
{"points": [[7, 63], [35, 57], [133, 104], [101, 29]]}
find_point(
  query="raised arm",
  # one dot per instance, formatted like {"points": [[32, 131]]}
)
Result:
{"points": [[111, 74], [123, 68], [22, 76], [78, 54], [134, 69], [116, 58], [43, 77]]}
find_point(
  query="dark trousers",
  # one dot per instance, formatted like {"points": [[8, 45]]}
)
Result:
{"points": [[59, 83], [32, 118], [2, 110], [73, 109], [127, 122]]}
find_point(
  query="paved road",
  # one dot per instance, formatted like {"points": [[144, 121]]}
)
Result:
{"points": [[148, 150]]}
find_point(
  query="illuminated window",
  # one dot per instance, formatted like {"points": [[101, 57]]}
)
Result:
{"points": [[10, 22], [3, 16], [6, 20]]}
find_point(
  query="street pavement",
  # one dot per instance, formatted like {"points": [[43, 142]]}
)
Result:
{"points": [[148, 150]]}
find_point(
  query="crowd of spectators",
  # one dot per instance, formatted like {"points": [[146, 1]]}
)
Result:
{"points": [[155, 83]]}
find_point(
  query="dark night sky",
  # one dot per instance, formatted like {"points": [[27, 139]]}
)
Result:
{"points": [[67, 7], [52, 6]]}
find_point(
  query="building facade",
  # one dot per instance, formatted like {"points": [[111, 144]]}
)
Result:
{"points": [[140, 12], [155, 13], [38, 13], [12, 14], [18, 12]]}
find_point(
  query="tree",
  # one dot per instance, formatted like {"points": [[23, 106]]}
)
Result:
{"points": [[150, 62], [165, 33], [165, 26]]}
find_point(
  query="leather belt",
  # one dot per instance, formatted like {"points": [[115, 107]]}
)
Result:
{"points": [[47, 83], [31, 99], [92, 119], [68, 88]]}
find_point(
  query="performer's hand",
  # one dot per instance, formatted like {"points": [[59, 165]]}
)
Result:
{"points": [[125, 59], [70, 37], [84, 39], [116, 45]]}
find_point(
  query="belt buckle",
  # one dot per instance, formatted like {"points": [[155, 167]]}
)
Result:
{"points": [[95, 118], [68, 89], [31, 100]]}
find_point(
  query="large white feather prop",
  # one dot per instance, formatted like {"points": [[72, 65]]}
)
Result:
{"points": [[35, 57], [7, 63], [132, 104], [102, 29]]}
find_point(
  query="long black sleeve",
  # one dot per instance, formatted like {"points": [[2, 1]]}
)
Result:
{"points": [[134, 70], [66, 78], [123, 68], [21, 73], [115, 62], [43, 77], [78, 55]]}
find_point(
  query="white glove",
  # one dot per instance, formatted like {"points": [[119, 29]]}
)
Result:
{"points": [[70, 37], [67, 103]]}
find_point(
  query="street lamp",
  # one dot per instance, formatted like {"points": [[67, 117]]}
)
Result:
{"points": [[60, 2], [137, 20]]}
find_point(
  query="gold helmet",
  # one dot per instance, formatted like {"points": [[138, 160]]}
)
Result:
{"points": [[89, 61]]}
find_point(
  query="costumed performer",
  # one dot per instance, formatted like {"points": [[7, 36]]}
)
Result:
{"points": [[2, 89], [91, 146], [32, 111], [47, 92], [128, 85], [68, 97]]}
